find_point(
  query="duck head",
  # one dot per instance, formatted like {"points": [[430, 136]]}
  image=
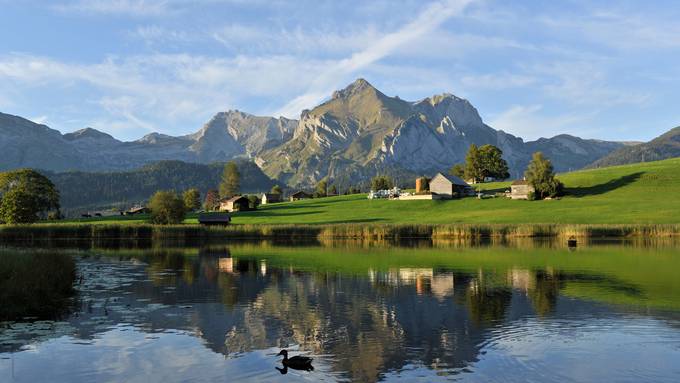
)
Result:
{"points": [[284, 353]]}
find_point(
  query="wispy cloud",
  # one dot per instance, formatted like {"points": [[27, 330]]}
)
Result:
{"points": [[39, 119], [152, 90], [116, 7], [321, 86]]}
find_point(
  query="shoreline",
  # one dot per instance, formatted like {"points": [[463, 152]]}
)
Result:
{"points": [[334, 231]]}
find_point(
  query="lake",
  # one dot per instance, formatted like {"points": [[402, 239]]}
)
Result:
{"points": [[420, 311]]}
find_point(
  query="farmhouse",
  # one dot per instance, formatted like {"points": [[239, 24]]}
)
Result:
{"points": [[214, 219], [449, 186], [236, 203], [271, 198], [299, 195], [520, 189]]}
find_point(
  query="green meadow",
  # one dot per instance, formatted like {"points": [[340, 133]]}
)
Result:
{"points": [[645, 193]]}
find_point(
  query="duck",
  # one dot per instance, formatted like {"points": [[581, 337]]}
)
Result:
{"points": [[296, 362]]}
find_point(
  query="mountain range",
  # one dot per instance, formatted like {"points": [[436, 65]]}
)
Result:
{"points": [[358, 133]]}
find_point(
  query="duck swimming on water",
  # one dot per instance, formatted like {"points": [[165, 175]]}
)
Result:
{"points": [[296, 362]]}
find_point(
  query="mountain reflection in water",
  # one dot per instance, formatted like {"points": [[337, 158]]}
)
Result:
{"points": [[364, 314]]}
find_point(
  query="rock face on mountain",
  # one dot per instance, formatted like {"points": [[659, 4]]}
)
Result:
{"points": [[358, 133], [660, 148]]}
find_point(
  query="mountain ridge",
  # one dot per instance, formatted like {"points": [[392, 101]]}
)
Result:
{"points": [[662, 147], [357, 133]]}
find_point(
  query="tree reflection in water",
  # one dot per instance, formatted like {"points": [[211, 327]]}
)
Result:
{"points": [[366, 321]]}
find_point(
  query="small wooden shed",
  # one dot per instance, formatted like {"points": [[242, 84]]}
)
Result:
{"points": [[299, 195], [521, 189], [449, 186], [236, 203], [271, 198]]}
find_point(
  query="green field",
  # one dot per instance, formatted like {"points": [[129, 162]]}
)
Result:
{"points": [[647, 193]]}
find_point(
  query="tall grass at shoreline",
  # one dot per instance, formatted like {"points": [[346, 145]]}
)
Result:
{"points": [[338, 231]]}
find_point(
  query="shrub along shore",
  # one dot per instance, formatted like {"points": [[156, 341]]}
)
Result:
{"points": [[37, 232]]}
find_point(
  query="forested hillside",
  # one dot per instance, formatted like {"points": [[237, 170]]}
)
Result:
{"points": [[82, 190]]}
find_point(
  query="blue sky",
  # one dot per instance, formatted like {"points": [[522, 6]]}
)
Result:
{"points": [[594, 69]]}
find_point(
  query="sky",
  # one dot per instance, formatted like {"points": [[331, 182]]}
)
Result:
{"points": [[595, 69]]}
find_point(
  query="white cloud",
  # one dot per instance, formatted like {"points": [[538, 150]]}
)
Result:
{"points": [[153, 34], [297, 40], [585, 83], [152, 90], [39, 119], [116, 7], [330, 79], [620, 30]]}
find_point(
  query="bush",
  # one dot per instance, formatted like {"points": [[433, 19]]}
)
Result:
{"points": [[166, 208]]}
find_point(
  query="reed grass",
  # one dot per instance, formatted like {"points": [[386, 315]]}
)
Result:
{"points": [[35, 284], [98, 232]]}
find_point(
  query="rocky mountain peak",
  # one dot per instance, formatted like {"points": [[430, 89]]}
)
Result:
{"points": [[358, 87], [88, 133]]}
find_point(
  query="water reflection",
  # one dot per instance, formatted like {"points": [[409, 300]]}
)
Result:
{"points": [[364, 313]]}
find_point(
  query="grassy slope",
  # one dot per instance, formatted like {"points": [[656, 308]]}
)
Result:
{"points": [[647, 193], [639, 193]]}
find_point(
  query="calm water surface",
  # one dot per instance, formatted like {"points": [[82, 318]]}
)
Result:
{"points": [[540, 312]]}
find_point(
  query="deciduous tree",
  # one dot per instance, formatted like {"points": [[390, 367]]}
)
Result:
{"points": [[192, 199], [381, 183], [276, 189], [541, 176], [25, 195], [166, 208]]}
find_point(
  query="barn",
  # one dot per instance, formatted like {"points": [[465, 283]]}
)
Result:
{"points": [[449, 186], [236, 203]]}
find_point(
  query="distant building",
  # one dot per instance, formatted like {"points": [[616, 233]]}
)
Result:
{"points": [[271, 198], [299, 195], [520, 189], [236, 203], [449, 186], [214, 219], [137, 210]]}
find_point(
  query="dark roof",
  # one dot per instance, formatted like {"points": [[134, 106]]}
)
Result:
{"points": [[272, 196], [520, 182], [234, 198], [452, 179], [300, 193]]}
